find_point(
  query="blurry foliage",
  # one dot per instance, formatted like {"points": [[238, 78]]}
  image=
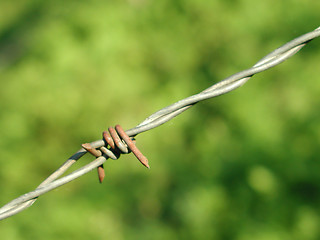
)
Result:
{"points": [[242, 166]]}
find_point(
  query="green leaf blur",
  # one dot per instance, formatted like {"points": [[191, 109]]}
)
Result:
{"points": [[242, 166]]}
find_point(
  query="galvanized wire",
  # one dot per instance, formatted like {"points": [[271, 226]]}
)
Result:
{"points": [[160, 117]]}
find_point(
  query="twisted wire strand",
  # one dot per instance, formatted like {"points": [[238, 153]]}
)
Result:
{"points": [[156, 119]]}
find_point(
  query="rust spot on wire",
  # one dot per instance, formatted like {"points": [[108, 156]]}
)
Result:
{"points": [[96, 153], [90, 149], [108, 139], [101, 173], [132, 146], [117, 140]]}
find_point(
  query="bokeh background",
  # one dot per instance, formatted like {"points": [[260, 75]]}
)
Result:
{"points": [[242, 166]]}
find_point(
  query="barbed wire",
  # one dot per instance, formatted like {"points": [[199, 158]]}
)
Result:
{"points": [[103, 149]]}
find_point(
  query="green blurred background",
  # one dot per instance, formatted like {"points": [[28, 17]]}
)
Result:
{"points": [[243, 166]]}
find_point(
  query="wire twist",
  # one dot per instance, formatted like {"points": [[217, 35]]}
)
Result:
{"points": [[113, 148]]}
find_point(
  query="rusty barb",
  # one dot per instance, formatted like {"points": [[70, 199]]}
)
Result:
{"points": [[116, 141]]}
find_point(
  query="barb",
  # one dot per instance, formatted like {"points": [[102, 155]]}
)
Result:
{"points": [[124, 143]]}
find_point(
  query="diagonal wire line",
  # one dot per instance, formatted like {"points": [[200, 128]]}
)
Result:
{"points": [[156, 119]]}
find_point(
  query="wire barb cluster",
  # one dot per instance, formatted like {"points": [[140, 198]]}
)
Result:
{"points": [[118, 141]]}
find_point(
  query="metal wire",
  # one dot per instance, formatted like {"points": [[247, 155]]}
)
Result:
{"points": [[160, 117]]}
